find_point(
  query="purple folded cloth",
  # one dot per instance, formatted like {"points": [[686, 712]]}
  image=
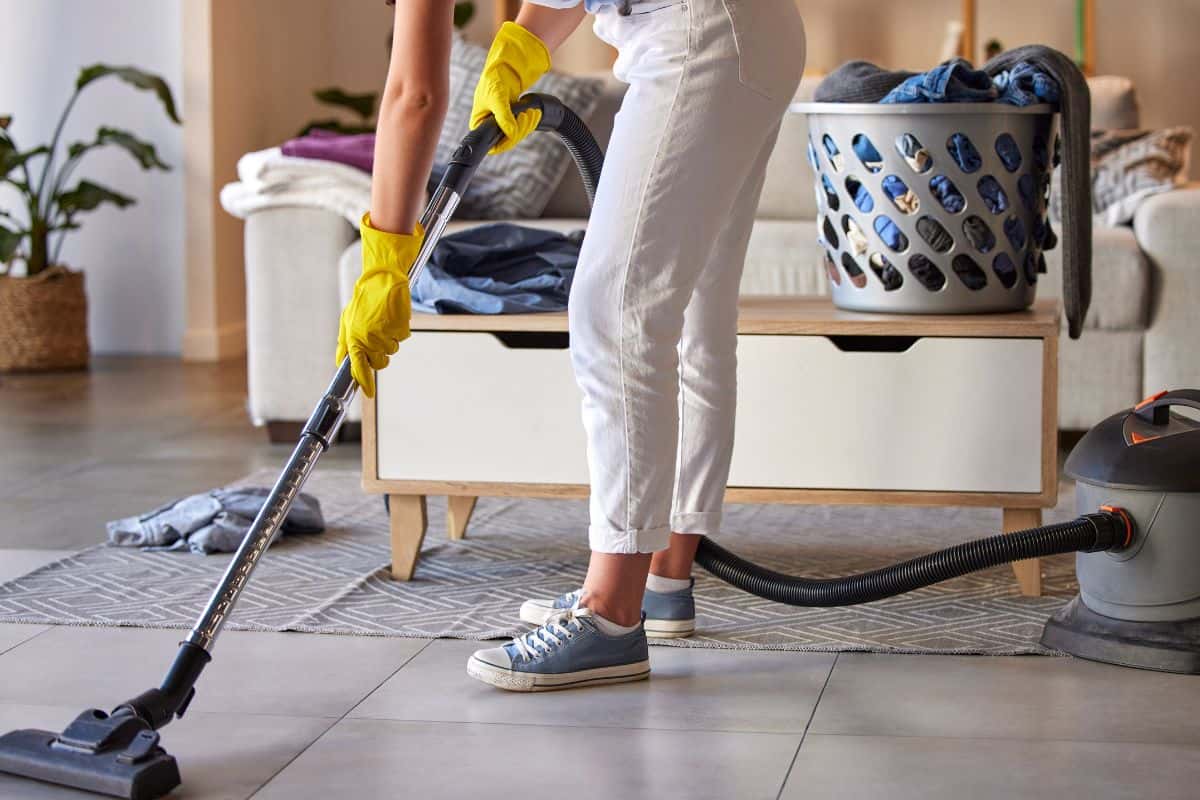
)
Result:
{"points": [[355, 150]]}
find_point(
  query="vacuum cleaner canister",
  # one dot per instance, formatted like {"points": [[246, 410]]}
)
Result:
{"points": [[1139, 606]]}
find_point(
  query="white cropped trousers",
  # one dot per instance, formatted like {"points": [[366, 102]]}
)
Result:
{"points": [[653, 311]]}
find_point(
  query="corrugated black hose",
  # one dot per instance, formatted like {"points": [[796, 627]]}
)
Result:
{"points": [[575, 136], [1104, 530]]}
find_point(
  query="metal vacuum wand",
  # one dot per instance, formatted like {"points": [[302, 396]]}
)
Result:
{"points": [[158, 706]]}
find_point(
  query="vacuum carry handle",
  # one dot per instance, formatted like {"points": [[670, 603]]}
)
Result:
{"points": [[1156, 409]]}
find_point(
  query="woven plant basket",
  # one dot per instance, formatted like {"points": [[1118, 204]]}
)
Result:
{"points": [[43, 322]]}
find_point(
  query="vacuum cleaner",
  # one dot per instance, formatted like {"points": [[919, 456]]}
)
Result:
{"points": [[1137, 539], [1139, 603]]}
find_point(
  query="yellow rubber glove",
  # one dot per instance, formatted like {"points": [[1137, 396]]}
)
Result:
{"points": [[515, 62], [377, 317]]}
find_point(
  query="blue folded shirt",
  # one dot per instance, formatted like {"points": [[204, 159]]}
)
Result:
{"points": [[499, 269]]}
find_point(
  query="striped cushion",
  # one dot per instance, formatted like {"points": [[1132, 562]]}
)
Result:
{"points": [[516, 184], [1128, 167]]}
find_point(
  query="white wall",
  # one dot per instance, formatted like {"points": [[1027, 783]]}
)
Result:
{"points": [[133, 258]]}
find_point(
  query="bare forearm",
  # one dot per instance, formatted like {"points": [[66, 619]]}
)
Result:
{"points": [[551, 25], [411, 112]]}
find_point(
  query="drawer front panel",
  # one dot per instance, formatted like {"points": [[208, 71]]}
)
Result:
{"points": [[944, 414], [466, 407]]}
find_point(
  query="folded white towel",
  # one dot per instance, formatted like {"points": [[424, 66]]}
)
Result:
{"points": [[242, 200], [269, 179], [271, 166]]}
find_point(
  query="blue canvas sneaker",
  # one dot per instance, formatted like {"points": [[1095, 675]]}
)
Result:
{"points": [[568, 651], [669, 615]]}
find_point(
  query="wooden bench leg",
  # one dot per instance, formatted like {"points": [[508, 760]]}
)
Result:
{"points": [[458, 514], [1029, 571], [408, 520]]}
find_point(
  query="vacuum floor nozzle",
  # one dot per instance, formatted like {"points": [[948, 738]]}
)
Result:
{"points": [[114, 755]]}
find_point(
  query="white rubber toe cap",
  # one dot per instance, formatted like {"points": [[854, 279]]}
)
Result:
{"points": [[495, 656]]}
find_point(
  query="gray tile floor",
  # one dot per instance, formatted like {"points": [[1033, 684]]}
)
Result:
{"points": [[300, 716]]}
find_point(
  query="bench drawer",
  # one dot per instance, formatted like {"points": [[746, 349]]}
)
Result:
{"points": [[480, 407], [930, 414], [940, 414]]}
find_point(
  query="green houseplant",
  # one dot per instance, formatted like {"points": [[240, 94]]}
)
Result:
{"points": [[43, 308]]}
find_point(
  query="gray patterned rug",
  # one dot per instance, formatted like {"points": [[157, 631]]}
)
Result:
{"points": [[337, 582]]}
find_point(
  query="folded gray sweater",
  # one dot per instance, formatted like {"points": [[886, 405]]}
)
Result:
{"points": [[858, 82]]}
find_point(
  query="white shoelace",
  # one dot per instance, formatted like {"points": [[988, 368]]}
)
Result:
{"points": [[553, 633]]}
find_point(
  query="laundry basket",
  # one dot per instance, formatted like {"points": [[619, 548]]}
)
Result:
{"points": [[932, 208]]}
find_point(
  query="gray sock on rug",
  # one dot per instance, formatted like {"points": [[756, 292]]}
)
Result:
{"points": [[661, 585]]}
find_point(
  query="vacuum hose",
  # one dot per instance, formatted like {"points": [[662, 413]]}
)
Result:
{"points": [[556, 118], [576, 137], [1104, 530]]}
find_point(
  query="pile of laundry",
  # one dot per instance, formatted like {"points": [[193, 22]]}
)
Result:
{"points": [[1022, 77], [1025, 83], [491, 269]]}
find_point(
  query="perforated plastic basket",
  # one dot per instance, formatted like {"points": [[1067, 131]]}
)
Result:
{"points": [[932, 208]]}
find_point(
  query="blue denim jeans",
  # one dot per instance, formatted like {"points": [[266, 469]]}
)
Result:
{"points": [[953, 82]]}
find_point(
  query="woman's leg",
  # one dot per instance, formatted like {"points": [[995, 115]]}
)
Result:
{"points": [[675, 563], [685, 154], [708, 384]]}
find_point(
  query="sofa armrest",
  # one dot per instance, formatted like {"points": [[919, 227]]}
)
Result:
{"points": [[292, 308], [1168, 230]]}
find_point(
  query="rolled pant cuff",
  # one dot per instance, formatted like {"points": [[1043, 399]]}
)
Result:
{"points": [[645, 540], [703, 523]]}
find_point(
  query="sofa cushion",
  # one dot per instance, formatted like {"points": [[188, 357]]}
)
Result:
{"points": [[569, 199], [1120, 281], [1114, 103], [1098, 373], [789, 190], [784, 259]]}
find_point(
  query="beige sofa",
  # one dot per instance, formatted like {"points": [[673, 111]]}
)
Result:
{"points": [[1139, 335]]}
